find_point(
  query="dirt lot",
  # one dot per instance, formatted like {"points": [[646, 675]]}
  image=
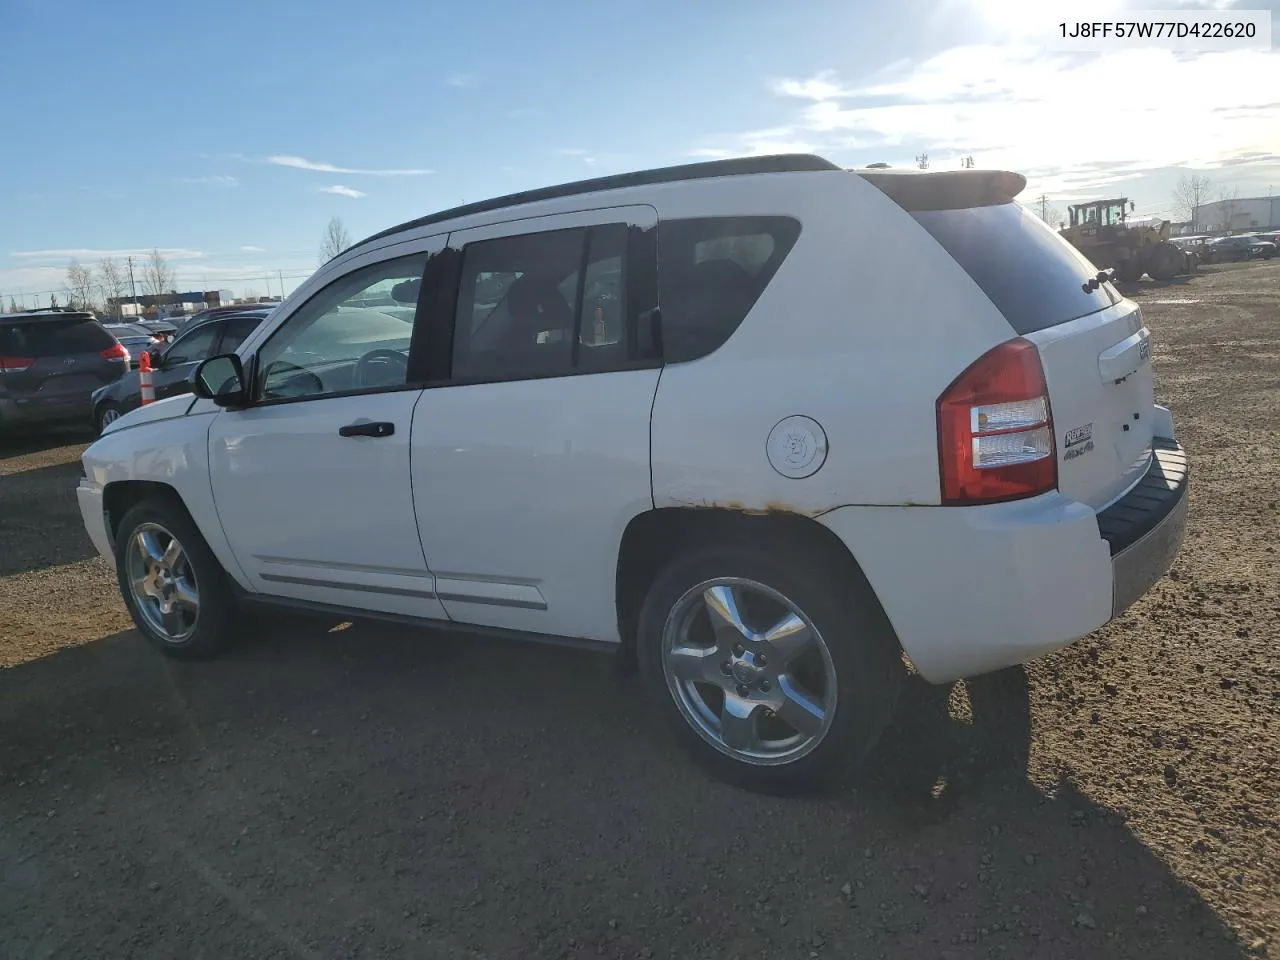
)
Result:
{"points": [[376, 792]]}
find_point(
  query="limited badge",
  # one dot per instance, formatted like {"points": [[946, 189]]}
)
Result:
{"points": [[797, 447]]}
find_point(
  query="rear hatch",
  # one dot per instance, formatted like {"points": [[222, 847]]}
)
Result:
{"points": [[1094, 349], [58, 359]]}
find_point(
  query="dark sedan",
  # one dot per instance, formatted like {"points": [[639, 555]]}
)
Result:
{"points": [[172, 364], [136, 338], [1233, 249]]}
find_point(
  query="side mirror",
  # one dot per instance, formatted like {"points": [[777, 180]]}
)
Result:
{"points": [[221, 379]]}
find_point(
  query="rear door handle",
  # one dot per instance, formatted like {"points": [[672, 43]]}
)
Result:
{"points": [[368, 428]]}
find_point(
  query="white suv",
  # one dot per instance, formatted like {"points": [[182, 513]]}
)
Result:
{"points": [[765, 424]]}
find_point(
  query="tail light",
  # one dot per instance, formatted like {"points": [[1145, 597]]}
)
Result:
{"points": [[995, 429], [15, 364], [116, 352]]}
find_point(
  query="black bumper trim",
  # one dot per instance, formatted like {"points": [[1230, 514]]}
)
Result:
{"points": [[1155, 496]]}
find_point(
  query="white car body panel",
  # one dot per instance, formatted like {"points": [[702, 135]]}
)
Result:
{"points": [[173, 451], [523, 491], [165, 409], [318, 517]]}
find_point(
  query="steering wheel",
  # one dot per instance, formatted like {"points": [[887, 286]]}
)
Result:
{"points": [[367, 364]]}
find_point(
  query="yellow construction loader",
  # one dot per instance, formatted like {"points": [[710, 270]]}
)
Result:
{"points": [[1102, 231]]}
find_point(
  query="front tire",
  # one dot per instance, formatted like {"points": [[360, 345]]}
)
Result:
{"points": [[175, 589], [776, 673]]}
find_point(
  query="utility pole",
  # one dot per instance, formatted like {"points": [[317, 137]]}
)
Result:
{"points": [[281, 273], [1043, 200], [133, 290]]}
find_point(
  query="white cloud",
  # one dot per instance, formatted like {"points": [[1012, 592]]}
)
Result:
{"points": [[247, 248], [301, 163], [342, 191], [461, 79], [92, 253], [818, 87], [1022, 107], [215, 181], [570, 151]]}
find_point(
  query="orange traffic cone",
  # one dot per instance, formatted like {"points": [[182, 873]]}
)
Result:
{"points": [[144, 378]]}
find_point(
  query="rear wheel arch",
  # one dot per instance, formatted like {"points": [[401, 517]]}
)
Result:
{"points": [[654, 538]]}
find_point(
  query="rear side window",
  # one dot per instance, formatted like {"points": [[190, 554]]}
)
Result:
{"points": [[543, 305], [1033, 276], [711, 271], [53, 338]]}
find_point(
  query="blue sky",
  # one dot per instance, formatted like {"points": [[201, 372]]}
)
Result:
{"points": [[228, 134]]}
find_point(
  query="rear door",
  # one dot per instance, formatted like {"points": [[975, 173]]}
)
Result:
{"points": [[1093, 346], [530, 449], [55, 364]]}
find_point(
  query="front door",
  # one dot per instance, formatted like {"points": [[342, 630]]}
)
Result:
{"points": [[312, 481], [530, 447]]}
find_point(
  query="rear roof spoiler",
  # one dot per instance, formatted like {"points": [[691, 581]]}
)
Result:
{"points": [[915, 190]]}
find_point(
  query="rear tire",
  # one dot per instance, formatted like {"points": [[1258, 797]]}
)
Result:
{"points": [[176, 591], [1128, 271], [808, 690]]}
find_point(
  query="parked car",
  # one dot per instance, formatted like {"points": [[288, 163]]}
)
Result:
{"points": [[173, 364], [135, 338], [50, 364], [778, 480], [1235, 249], [186, 323]]}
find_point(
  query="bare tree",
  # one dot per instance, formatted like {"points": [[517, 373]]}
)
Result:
{"points": [[967, 163], [1228, 199], [80, 285], [1190, 194], [13, 304], [157, 275], [111, 279], [53, 301], [922, 161], [336, 239]]}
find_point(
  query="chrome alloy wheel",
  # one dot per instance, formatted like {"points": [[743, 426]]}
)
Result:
{"points": [[749, 672], [163, 583], [110, 416]]}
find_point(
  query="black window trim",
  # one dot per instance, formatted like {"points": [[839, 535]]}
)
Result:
{"points": [[640, 255]]}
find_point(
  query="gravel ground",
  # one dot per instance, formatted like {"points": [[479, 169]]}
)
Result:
{"points": [[371, 791]]}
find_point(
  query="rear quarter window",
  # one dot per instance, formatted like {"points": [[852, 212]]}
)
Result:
{"points": [[1032, 275], [711, 271], [52, 338]]}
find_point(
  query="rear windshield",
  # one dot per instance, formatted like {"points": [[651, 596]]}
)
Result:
{"points": [[52, 338], [1032, 275]]}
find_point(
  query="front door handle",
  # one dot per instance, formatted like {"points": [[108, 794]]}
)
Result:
{"points": [[369, 428]]}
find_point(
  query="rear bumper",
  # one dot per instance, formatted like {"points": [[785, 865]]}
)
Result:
{"points": [[45, 410], [973, 589], [1145, 527]]}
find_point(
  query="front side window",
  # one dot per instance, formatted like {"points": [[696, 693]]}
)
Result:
{"points": [[352, 335], [192, 346], [546, 304]]}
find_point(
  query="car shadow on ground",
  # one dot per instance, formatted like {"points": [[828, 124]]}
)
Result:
{"points": [[40, 524], [364, 790], [25, 442]]}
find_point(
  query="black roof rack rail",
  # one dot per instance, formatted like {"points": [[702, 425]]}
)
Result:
{"points": [[774, 163]]}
